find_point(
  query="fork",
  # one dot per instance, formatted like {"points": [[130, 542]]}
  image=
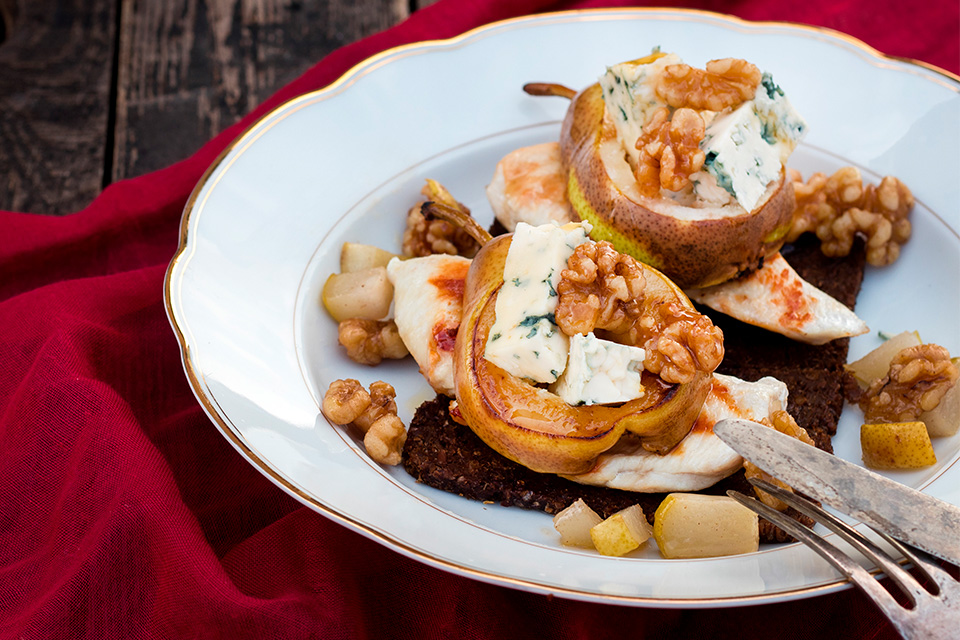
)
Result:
{"points": [[931, 612]]}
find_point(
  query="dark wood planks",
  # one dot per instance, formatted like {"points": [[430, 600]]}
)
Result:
{"points": [[83, 103], [55, 79], [190, 68], [8, 13]]}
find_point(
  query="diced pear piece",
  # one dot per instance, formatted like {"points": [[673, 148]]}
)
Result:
{"points": [[574, 524], [876, 364], [355, 256], [896, 445], [622, 532], [944, 419], [690, 525], [363, 294]]}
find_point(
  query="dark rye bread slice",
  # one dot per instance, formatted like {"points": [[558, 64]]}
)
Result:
{"points": [[448, 456]]}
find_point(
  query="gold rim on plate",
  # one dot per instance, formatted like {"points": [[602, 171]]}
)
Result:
{"points": [[267, 121]]}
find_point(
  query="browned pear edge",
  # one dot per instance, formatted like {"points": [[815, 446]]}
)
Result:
{"points": [[487, 396], [693, 253]]}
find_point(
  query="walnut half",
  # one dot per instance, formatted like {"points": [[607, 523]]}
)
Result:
{"points": [[669, 150], [424, 237], [686, 342], [603, 290], [373, 413], [722, 84], [370, 341], [839, 207], [917, 380]]}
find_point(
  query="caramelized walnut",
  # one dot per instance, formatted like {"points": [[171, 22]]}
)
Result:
{"points": [[917, 380], [840, 207], [601, 288], [385, 438], [382, 402], [669, 150], [344, 401], [373, 413], [686, 342], [425, 237], [784, 423], [723, 84], [370, 341]]}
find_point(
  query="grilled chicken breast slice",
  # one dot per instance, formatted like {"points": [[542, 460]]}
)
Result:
{"points": [[428, 299], [776, 298], [701, 459]]}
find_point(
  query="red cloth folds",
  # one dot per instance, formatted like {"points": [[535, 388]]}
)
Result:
{"points": [[124, 513]]}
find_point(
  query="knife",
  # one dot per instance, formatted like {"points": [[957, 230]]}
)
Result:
{"points": [[906, 514]]}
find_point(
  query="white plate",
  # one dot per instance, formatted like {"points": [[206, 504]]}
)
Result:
{"points": [[263, 229]]}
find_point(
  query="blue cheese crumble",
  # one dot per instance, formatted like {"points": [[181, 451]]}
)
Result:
{"points": [[600, 372], [783, 127], [629, 95], [745, 147], [525, 340], [737, 155]]}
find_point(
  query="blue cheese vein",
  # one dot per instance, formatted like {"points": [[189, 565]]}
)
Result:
{"points": [[629, 95], [525, 340], [737, 155], [600, 372], [783, 127]]}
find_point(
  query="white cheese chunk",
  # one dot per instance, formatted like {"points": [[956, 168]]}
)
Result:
{"points": [[776, 298], [739, 158], [783, 127], [708, 191], [600, 372], [701, 459], [525, 340], [629, 96]]}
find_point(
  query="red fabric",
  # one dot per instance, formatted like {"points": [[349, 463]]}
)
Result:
{"points": [[124, 512]]}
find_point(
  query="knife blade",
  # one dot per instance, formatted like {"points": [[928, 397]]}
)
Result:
{"points": [[904, 513]]}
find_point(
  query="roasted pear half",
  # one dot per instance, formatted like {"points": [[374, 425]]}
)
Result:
{"points": [[534, 427], [695, 247]]}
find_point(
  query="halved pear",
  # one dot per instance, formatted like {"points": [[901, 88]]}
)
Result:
{"points": [[534, 427], [694, 247]]}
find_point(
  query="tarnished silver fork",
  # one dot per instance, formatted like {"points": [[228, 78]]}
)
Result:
{"points": [[929, 607], [933, 606]]}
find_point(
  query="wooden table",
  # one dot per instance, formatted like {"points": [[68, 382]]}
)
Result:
{"points": [[94, 91]]}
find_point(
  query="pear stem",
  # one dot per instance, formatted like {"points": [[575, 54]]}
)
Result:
{"points": [[456, 217], [549, 89]]}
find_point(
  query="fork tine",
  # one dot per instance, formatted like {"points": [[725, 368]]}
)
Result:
{"points": [[840, 560], [925, 564], [907, 583]]}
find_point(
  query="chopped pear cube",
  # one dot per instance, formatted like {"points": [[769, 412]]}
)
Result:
{"points": [[622, 532], [691, 525], [876, 364], [355, 256], [896, 445], [944, 419], [574, 524], [363, 294]]}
